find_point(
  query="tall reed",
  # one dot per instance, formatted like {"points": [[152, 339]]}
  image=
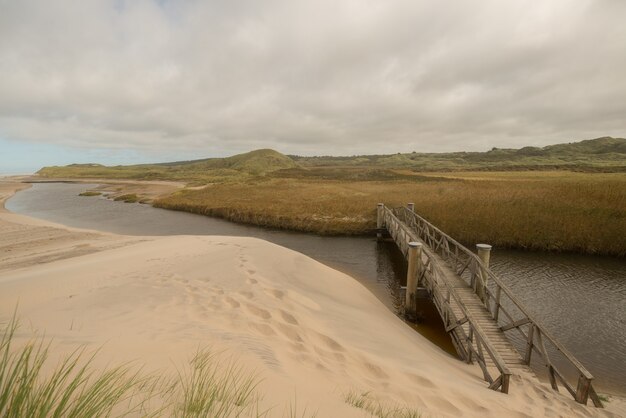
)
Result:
{"points": [[577, 212]]}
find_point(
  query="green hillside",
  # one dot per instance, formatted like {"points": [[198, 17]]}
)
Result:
{"points": [[241, 166], [600, 154]]}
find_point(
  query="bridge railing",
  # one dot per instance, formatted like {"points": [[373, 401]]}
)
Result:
{"points": [[467, 336], [504, 307]]}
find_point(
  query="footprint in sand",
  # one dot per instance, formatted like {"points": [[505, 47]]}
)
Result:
{"points": [[251, 272], [374, 370], [288, 318], [330, 343], [246, 294], [260, 312], [278, 294], [250, 280], [232, 302], [290, 333]]}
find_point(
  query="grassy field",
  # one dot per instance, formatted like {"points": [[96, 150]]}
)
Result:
{"points": [[565, 197], [560, 211]]}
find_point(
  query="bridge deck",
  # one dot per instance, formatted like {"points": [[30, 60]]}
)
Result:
{"points": [[478, 314], [481, 316]]}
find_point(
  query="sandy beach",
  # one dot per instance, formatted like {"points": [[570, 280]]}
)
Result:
{"points": [[310, 332]]}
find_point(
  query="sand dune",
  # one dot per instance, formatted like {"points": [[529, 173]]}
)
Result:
{"points": [[309, 331]]}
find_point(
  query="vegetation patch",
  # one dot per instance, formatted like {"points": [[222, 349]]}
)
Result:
{"points": [[211, 386], [89, 193], [555, 211], [72, 389], [127, 198], [595, 155], [376, 408]]}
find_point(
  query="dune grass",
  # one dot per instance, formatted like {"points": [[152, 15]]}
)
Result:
{"points": [[376, 408], [210, 386], [72, 389], [89, 194], [558, 211], [215, 388]]}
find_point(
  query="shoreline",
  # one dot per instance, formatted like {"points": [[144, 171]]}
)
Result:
{"points": [[155, 299]]}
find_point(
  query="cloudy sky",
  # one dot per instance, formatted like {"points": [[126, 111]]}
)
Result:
{"points": [[146, 80]]}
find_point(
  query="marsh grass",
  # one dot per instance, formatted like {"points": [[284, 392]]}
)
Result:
{"points": [[556, 211], [376, 408], [127, 198], [89, 194]]}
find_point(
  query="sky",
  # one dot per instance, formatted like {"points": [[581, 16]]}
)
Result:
{"points": [[121, 82]]}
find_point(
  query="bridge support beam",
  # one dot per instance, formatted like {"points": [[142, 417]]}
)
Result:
{"points": [[380, 220], [414, 268], [484, 253]]}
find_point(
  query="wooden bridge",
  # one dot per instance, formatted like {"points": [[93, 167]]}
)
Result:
{"points": [[486, 322]]}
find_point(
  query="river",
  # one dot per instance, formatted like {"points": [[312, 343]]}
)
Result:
{"points": [[580, 299]]}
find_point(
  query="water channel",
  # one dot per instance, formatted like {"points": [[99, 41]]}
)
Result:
{"points": [[580, 299]]}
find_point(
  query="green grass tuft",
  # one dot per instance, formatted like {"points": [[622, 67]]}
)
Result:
{"points": [[211, 386], [72, 389], [89, 194], [367, 402], [215, 388]]}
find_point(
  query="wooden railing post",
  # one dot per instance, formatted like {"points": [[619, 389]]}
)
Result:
{"points": [[582, 390], [380, 220], [484, 252], [414, 268], [411, 207]]}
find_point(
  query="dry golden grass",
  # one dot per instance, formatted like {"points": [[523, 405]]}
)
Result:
{"points": [[543, 211]]}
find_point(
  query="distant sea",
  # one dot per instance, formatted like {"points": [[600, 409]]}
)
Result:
{"points": [[14, 174]]}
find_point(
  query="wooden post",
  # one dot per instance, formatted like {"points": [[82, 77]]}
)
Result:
{"points": [[380, 220], [411, 207], [415, 267], [484, 251]]}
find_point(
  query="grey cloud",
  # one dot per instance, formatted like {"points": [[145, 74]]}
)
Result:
{"points": [[311, 77]]}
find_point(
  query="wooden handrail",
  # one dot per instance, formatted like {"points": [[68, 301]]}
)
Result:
{"points": [[461, 259]]}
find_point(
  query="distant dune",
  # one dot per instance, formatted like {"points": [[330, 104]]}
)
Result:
{"points": [[604, 154]]}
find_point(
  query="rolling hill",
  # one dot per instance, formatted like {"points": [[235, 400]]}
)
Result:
{"points": [[604, 154]]}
